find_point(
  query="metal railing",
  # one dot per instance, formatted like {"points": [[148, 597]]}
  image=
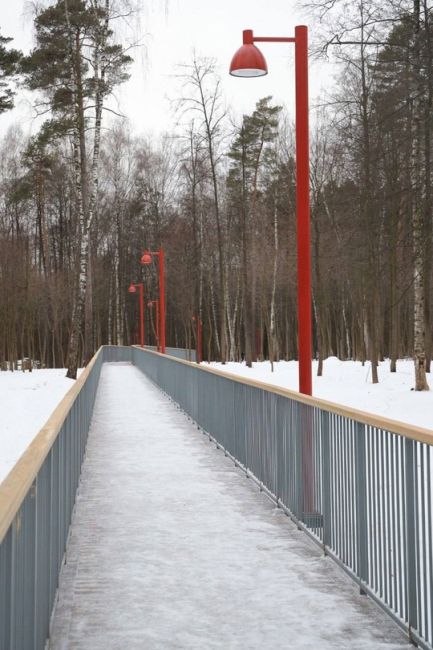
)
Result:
{"points": [[360, 485], [188, 354], [36, 502]]}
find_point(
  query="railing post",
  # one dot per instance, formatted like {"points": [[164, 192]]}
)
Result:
{"points": [[326, 478], [6, 601], [411, 533], [361, 505], [299, 474]]}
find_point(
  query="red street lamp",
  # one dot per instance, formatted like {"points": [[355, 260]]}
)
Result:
{"points": [[133, 289], [150, 305], [199, 338], [146, 258], [248, 61]]}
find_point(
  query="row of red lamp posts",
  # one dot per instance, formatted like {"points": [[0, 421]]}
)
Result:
{"points": [[146, 259], [248, 61]]}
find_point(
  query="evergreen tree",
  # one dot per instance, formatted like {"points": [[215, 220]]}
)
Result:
{"points": [[248, 154], [9, 60], [77, 65]]}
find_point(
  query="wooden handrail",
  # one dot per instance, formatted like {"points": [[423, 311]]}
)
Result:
{"points": [[17, 483], [393, 426]]}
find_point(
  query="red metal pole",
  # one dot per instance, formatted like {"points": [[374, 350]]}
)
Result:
{"points": [[303, 211], [200, 339], [157, 325], [162, 299], [141, 288], [304, 260]]}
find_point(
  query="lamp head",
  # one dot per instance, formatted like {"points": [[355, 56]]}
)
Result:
{"points": [[146, 258], [248, 61]]}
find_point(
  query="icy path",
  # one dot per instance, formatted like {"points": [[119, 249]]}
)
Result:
{"points": [[173, 548]]}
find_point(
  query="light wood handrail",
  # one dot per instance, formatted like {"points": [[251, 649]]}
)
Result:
{"points": [[393, 426], [17, 483]]}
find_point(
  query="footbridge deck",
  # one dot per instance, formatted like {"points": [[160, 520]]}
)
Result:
{"points": [[172, 547], [151, 513]]}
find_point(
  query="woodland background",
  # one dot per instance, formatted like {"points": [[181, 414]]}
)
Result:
{"points": [[80, 203]]}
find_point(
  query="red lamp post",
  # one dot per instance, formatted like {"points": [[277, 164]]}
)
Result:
{"points": [[248, 61], [146, 258], [133, 289], [150, 305], [199, 337]]}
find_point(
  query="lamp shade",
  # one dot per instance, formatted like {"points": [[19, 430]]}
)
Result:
{"points": [[146, 258], [248, 61], [132, 288]]}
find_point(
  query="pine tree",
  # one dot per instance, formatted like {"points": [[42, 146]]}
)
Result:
{"points": [[248, 154], [9, 60], [77, 65]]}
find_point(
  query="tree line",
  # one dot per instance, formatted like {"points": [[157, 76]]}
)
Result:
{"points": [[79, 204]]}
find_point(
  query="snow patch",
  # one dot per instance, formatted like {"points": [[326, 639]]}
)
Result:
{"points": [[349, 383], [27, 400]]}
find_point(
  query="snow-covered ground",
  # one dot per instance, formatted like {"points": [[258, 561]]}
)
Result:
{"points": [[27, 400], [349, 383]]}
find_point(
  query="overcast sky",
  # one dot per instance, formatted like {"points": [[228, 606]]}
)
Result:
{"points": [[170, 30]]}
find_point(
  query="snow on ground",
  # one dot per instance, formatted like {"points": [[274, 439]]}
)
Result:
{"points": [[27, 400], [349, 383]]}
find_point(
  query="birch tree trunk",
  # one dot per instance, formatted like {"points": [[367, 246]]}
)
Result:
{"points": [[78, 143], [427, 126], [85, 221], [272, 335], [368, 212], [88, 311], [118, 298], [110, 310], [417, 212]]}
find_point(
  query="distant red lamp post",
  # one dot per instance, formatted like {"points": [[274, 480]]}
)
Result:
{"points": [[133, 289], [150, 305], [146, 259], [199, 329], [248, 61]]}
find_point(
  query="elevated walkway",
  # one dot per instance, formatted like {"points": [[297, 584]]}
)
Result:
{"points": [[172, 547]]}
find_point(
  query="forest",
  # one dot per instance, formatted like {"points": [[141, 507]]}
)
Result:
{"points": [[80, 203]]}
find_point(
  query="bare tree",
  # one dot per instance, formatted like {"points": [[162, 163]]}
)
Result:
{"points": [[205, 100]]}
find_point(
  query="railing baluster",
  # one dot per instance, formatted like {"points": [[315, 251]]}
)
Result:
{"points": [[361, 506], [411, 534], [326, 479]]}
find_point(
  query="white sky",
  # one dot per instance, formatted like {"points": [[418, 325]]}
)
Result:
{"points": [[170, 30]]}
